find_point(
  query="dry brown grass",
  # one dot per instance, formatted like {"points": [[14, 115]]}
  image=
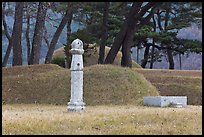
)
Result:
{"points": [[176, 82], [50, 84], [29, 70], [167, 72], [101, 120]]}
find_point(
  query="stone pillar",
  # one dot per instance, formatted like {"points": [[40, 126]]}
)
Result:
{"points": [[76, 103]]}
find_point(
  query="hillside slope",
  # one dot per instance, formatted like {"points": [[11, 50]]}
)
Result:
{"points": [[176, 83], [50, 84]]}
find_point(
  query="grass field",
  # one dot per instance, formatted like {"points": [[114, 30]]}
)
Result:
{"points": [[101, 120]]}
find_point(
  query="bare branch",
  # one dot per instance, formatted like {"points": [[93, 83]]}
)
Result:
{"points": [[145, 8], [149, 16], [173, 13], [159, 20]]}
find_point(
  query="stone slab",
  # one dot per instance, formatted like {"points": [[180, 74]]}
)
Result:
{"points": [[165, 101]]}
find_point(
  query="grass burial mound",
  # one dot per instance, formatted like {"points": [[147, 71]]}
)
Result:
{"points": [[176, 83], [50, 84], [91, 56]]}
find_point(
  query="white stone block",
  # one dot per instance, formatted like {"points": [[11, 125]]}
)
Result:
{"points": [[166, 101], [76, 86]]}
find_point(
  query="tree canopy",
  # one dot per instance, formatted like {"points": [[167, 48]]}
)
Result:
{"points": [[119, 25]]}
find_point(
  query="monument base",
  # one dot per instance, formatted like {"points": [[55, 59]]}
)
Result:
{"points": [[76, 107]]}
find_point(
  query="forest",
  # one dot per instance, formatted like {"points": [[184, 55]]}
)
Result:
{"points": [[151, 26]]}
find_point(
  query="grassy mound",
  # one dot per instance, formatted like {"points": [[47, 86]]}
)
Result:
{"points": [[50, 84], [176, 82], [91, 58]]}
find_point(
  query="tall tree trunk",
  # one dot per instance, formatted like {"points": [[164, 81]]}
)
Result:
{"points": [[146, 55], [104, 35], [8, 50], [126, 60], [6, 32], [170, 57], [116, 45], [152, 56], [138, 50], [45, 37], [180, 61], [68, 48], [153, 42], [121, 35], [136, 13], [55, 38], [169, 48], [38, 33], [27, 32], [17, 33], [159, 20]]}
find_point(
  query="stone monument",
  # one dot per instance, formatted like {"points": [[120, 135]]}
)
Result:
{"points": [[76, 103]]}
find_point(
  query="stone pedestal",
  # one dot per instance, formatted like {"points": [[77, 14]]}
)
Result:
{"points": [[76, 103]]}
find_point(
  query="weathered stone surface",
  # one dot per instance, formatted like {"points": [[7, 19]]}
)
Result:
{"points": [[166, 101], [77, 63], [76, 103]]}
